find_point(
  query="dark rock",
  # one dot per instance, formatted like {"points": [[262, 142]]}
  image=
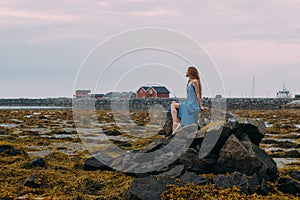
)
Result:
{"points": [[121, 143], [38, 162], [149, 188], [254, 184], [255, 129], [161, 132], [287, 154], [190, 159], [281, 144], [174, 172], [30, 182], [216, 135], [264, 189], [93, 163], [111, 132], [241, 181], [289, 186], [191, 177], [43, 117], [78, 198], [5, 148], [9, 150], [295, 175], [6, 198], [221, 181], [247, 158], [196, 144], [246, 185]]}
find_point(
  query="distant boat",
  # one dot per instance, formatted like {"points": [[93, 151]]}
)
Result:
{"points": [[284, 93]]}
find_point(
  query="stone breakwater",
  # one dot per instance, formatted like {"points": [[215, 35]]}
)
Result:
{"points": [[143, 104]]}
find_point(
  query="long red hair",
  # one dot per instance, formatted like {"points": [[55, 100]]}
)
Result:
{"points": [[193, 73]]}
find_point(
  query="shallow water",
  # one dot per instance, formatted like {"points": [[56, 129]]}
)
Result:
{"points": [[281, 162], [9, 125]]}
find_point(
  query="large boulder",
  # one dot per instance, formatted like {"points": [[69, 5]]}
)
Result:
{"points": [[254, 128], [192, 162], [216, 134], [245, 157]]}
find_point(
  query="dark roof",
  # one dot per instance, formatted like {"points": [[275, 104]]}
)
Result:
{"points": [[158, 89], [145, 88], [161, 89], [88, 91]]}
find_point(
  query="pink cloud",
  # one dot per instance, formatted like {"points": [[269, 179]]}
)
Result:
{"points": [[155, 12], [24, 14]]}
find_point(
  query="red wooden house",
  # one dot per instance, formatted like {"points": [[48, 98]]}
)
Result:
{"points": [[82, 93], [152, 92]]}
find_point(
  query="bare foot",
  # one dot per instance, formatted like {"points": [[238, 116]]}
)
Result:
{"points": [[175, 127]]}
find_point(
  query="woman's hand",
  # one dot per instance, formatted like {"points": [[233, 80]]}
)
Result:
{"points": [[204, 108]]}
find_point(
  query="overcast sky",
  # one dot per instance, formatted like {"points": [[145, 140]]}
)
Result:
{"points": [[43, 43]]}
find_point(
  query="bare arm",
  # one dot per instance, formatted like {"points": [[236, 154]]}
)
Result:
{"points": [[199, 95]]}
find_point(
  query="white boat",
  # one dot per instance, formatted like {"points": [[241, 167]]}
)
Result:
{"points": [[284, 93]]}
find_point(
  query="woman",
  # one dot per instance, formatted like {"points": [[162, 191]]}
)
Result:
{"points": [[188, 109]]}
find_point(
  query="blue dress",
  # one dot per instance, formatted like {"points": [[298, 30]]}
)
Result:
{"points": [[190, 107]]}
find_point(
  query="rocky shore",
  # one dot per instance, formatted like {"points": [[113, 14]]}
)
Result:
{"points": [[43, 157]]}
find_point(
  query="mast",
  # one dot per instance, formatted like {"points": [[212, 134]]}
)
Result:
{"points": [[253, 85]]}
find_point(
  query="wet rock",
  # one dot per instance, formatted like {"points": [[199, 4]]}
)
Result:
{"points": [[92, 164], [288, 186], [245, 157], [174, 172], [149, 188], [38, 162], [295, 175], [191, 177], [30, 182]]}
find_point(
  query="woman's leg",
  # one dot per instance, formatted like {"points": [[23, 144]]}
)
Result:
{"points": [[174, 107]]}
